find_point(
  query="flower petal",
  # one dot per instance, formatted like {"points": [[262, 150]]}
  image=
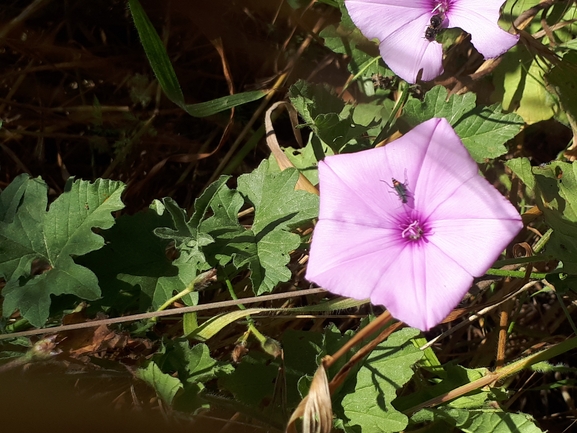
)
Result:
{"points": [[474, 244], [465, 213], [480, 18], [375, 203], [400, 28], [445, 167], [349, 259], [424, 286]]}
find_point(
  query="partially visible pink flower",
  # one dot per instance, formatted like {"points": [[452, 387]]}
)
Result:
{"points": [[415, 249], [400, 27]]}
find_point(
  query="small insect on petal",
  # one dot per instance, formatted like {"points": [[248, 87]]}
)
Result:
{"points": [[434, 28], [400, 189]]}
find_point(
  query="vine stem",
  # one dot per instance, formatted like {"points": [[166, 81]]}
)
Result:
{"points": [[171, 312], [503, 372]]}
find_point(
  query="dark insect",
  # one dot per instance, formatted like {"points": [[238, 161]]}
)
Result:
{"points": [[431, 33], [401, 190], [381, 82], [434, 28], [436, 21]]}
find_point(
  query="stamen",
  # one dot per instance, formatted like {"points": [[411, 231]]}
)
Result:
{"points": [[413, 231]]}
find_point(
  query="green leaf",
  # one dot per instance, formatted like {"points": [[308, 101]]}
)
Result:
{"points": [[253, 379], [310, 100], [436, 104], [367, 400], [223, 225], [215, 324], [479, 421], [11, 196], [521, 87], [164, 384], [25, 209], [208, 108], [162, 67], [562, 76], [52, 238], [555, 187], [328, 116], [522, 169], [156, 53], [278, 207], [277, 204], [193, 364], [133, 263], [483, 130], [454, 376], [556, 194], [306, 159]]}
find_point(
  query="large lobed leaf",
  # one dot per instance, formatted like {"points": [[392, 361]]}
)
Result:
{"points": [[367, 401], [483, 130], [31, 235], [278, 207]]}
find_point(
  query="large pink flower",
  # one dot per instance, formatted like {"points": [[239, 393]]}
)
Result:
{"points": [[401, 27], [408, 225]]}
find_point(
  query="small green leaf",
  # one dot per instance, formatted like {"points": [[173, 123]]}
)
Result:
{"points": [[278, 207], [164, 384], [253, 379], [485, 130], [436, 104], [520, 85], [310, 100], [193, 364], [11, 196], [522, 169]]}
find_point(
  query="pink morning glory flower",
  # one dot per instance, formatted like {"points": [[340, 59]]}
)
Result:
{"points": [[408, 225], [406, 30]]}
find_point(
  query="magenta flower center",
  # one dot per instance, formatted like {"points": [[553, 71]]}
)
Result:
{"points": [[412, 230], [441, 6]]}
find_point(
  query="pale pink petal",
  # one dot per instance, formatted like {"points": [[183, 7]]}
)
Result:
{"points": [[400, 26], [474, 244], [479, 18], [483, 202], [349, 259], [375, 202], [407, 52], [445, 167], [423, 287]]}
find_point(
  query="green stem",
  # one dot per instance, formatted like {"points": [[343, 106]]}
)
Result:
{"points": [[516, 274], [522, 260], [404, 89], [360, 73], [502, 373], [566, 311], [250, 322], [198, 281]]}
